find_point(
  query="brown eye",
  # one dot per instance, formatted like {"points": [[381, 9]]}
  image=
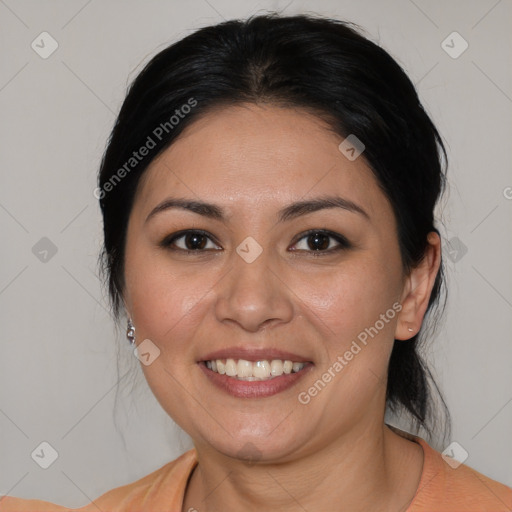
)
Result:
{"points": [[194, 241], [318, 241], [321, 241], [189, 241]]}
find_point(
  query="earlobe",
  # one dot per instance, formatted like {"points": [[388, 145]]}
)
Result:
{"points": [[417, 290]]}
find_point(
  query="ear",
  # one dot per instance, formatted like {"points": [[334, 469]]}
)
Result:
{"points": [[417, 289]]}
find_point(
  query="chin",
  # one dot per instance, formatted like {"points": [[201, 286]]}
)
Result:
{"points": [[252, 447]]}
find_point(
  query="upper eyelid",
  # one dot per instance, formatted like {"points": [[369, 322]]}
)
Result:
{"points": [[180, 234], [326, 232]]}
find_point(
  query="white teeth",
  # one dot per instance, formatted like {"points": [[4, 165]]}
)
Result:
{"points": [[261, 369], [251, 371], [276, 367], [244, 368], [297, 367], [231, 367], [287, 367]]}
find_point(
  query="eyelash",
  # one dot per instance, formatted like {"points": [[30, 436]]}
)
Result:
{"points": [[344, 244]]}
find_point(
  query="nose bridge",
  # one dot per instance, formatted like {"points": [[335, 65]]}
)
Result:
{"points": [[252, 294]]}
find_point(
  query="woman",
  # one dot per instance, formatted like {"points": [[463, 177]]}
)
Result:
{"points": [[268, 198]]}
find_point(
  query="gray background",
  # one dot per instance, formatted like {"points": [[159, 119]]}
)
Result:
{"points": [[58, 370]]}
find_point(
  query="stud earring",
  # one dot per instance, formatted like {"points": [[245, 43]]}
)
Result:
{"points": [[410, 329], [130, 332]]}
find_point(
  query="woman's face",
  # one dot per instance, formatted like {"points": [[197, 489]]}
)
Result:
{"points": [[253, 287]]}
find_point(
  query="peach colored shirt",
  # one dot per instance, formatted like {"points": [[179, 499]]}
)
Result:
{"points": [[441, 489]]}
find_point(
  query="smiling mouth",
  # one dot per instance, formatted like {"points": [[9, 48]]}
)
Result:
{"points": [[242, 369]]}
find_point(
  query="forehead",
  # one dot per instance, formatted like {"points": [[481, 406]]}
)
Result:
{"points": [[253, 156]]}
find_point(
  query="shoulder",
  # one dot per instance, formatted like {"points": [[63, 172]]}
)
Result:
{"points": [[163, 487], [12, 504], [458, 488]]}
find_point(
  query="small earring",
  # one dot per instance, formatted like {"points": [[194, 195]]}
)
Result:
{"points": [[130, 332], [410, 329]]}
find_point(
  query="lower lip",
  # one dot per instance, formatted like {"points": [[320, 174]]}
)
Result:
{"points": [[254, 389]]}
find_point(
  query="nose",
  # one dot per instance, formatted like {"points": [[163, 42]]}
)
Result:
{"points": [[253, 295]]}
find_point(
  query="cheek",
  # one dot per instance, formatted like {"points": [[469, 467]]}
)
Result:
{"points": [[168, 302], [163, 300], [355, 310], [350, 299]]}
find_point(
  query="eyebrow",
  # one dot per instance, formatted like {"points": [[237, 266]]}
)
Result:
{"points": [[287, 213]]}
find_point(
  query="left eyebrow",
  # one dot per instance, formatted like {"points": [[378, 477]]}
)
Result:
{"points": [[287, 213], [304, 207]]}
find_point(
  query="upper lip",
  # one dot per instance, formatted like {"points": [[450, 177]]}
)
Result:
{"points": [[254, 354]]}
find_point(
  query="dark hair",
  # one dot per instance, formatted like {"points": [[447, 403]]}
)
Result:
{"points": [[324, 66]]}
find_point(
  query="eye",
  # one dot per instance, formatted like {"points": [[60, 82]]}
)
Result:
{"points": [[191, 241], [318, 241]]}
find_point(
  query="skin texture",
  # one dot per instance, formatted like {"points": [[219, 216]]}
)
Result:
{"points": [[253, 160]]}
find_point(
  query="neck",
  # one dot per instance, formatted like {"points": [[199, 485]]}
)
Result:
{"points": [[373, 469]]}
